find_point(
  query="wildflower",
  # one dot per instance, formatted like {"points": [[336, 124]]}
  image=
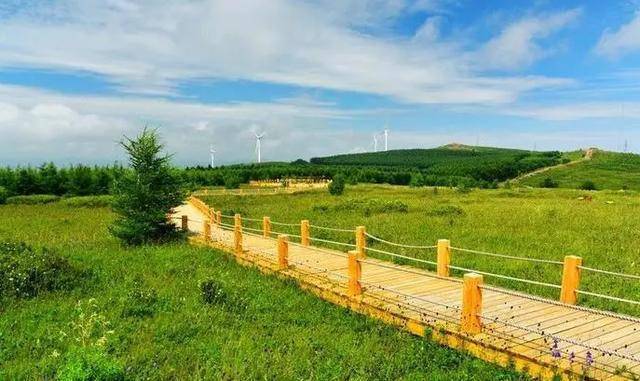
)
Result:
{"points": [[555, 351], [572, 356], [589, 359]]}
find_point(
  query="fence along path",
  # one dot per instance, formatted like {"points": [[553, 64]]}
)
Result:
{"points": [[540, 336]]}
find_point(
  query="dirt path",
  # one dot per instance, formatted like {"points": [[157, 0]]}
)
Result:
{"points": [[588, 155]]}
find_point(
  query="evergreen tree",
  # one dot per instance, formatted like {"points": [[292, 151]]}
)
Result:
{"points": [[145, 195]]}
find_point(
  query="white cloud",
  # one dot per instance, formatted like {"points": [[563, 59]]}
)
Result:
{"points": [[147, 47], [623, 41], [577, 111], [518, 45]]}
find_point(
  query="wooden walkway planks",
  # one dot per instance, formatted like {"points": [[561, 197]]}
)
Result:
{"points": [[529, 329]]}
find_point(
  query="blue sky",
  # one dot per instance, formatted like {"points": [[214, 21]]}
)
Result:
{"points": [[318, 76]]}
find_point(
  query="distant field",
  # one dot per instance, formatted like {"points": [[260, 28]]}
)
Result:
{"points": [[607, 170], [538, 223], [267, 329]]}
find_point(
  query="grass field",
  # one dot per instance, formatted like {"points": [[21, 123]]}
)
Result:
{"points": [[266, 329], [540, 223], [607, 170]]}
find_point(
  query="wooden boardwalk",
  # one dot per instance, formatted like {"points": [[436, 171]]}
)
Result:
{"points": [[541, 337]]}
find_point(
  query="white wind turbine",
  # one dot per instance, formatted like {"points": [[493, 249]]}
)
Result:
{"points": [[375, 142], [386, 138], [211, 153], [258, 140]]}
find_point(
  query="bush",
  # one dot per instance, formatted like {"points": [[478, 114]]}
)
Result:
{"points": [[232, 181], [548, 182], [3, 195], [33, 199], [212, 293], [145, 195], [26, 272], [336, 186], [88, 201], [588, 185]]}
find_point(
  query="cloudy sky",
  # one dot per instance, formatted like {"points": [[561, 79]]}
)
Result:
{"points": [[318, 76]]}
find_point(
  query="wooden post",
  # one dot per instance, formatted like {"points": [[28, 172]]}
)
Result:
{"points": [[212, 217], [266, 227], [444, 257], [361, 241], [355, 273], [219, 216], [470, 321], [206, 230], [570, 279], [237, 234], [185, 223], [304, 232], [283, 251]]}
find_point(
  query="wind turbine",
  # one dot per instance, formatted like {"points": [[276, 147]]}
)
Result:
{"points": [[211, 152], [386, 138], [375, 142], [258, 139]]}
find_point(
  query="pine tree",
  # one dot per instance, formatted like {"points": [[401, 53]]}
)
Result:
{"points": [[144, 196]]}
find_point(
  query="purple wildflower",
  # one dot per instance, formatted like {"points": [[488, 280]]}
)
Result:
{"points": [[555, 351], [589, 359], [572, 356]]}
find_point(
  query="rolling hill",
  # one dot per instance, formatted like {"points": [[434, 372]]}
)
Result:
{"points": [[605, 170]]}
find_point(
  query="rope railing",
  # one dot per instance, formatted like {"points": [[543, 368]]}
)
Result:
{"points": [[331, 242], [506, 277], [332, 229], [399, 244], [607, 272], [411, 271], [614, 298], [547, 261], [395, 255]]}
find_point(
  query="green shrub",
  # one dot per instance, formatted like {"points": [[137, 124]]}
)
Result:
{"points": [[145, 195], [32, 199], [588, 185], [548, 182], [90, 363], [4, 194], [336, 186], [446, 211], [26, 272], [232, 181], [88, 201], [212, 293], [417, 180]]}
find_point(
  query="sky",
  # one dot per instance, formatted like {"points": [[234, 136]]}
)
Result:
{"points": [[318, 77]]}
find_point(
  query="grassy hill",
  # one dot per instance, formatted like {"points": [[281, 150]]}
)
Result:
{"points": [[605, 170]]}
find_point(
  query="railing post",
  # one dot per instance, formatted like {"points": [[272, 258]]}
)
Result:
{"points": [[266, 227], [283, 251], [212, 217], [444, 257], [206, 231], [470, 321], [237, 234], [355, 273], [219, 216], [570, 279], [304, 232], [185, 223], [361, 241]]}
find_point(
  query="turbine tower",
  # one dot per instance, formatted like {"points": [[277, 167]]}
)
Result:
{"points": [[258, 139], [375, 142], [386, 138], [211, 152]]}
